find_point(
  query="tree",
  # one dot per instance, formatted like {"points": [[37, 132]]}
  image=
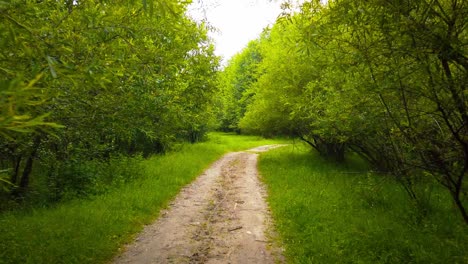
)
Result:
{"points": [[236, 82], [384, 79], [120, 77]]}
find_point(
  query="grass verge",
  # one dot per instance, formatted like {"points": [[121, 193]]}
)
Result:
{"points": [[325, 214], [93, 230]]}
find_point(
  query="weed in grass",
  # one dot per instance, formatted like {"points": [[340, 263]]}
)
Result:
{"points": [[325, 214]]}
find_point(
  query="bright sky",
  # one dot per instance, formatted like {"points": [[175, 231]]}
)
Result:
{"points": [[237, 21]]}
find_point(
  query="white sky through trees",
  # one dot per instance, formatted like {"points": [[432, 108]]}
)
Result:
{"points": [[237, 21]]}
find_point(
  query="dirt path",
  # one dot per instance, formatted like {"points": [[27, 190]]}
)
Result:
{"points": [[222, 217]]}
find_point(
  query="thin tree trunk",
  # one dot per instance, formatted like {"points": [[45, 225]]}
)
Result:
{"points": [[309, 143], [16, 168], [24, 183], [461, 208]]}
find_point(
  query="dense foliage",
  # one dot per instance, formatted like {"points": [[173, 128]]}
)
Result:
{"points": [[238, 75], [86, 81], [385, 79]]}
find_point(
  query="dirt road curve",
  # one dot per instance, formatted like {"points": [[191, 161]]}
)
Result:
{"points": [[221, 217]]}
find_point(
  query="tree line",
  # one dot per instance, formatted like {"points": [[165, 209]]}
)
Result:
{"points": [[93, 80], [383, 79]]}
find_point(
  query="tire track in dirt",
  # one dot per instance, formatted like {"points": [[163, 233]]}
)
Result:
{"points": [[222, 217]]}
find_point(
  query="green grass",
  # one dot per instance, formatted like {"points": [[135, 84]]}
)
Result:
{"points": [[324, 214], [92, 230]]}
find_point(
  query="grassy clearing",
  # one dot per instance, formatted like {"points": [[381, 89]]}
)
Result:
{"points": [[325, 214], [92, 230]]}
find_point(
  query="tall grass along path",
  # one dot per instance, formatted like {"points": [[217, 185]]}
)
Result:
{"points": [[222, 217]]}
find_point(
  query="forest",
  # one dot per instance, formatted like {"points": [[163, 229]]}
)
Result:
{"points": [[95, 81], [383, 79], [92, 91]]}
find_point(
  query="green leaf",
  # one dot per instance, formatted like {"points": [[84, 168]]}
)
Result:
{"points": [[51, 62]]}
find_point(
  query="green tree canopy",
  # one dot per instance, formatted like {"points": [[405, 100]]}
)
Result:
{"points": [[384, 79], [114, 76]]}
